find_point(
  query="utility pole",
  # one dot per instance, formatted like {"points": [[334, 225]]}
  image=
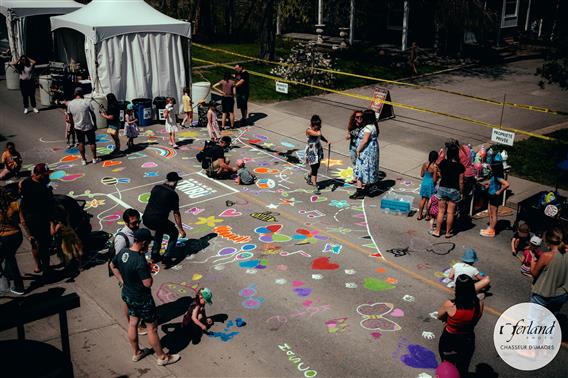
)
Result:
{"points": [[351, 22], [406, 11]]}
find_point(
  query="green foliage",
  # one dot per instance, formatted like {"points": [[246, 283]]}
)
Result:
{"points": [[555, 68], [536, 159], [300, 63]]}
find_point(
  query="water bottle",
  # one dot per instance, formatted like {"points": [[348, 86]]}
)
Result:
{"points": [[489, 157], [471, 152]]}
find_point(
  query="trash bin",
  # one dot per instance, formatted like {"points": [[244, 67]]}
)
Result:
{"points": [[45, 93], [143, 110], [160, 105], [12, 77], [122, 105]]}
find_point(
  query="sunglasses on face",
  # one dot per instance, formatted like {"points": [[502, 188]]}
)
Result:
{"points": [[358, 117]]}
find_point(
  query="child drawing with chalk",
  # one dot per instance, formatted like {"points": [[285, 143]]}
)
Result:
{"points": [[196, 315]]}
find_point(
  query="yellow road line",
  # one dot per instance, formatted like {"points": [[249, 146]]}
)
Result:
{"points": [[534, 108], [395, 104]]}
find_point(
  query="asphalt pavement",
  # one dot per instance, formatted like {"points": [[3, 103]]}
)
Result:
{"points": [[326, 285]]}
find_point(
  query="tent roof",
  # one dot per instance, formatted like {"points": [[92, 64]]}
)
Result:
{"points": [[103, 19], [24, 8]]}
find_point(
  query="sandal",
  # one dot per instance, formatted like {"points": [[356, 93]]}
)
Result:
{"points": [[420, 217], [434, 234], [427, 219], [449, 235], [143, 353]]}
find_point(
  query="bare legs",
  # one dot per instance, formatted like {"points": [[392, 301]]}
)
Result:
{"points": [[443, 207], [153, 338]]}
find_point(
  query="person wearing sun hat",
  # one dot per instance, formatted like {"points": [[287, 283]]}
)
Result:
{"points": [[520, 239], [466, 267], [196, 316]]}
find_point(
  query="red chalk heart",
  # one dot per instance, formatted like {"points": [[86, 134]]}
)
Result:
{"points": [[323, 263], [274, 227], [230, 213]]}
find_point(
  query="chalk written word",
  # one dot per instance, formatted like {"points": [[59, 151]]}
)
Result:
{"points": [[194, 189], [308, 373], [226, 233]]}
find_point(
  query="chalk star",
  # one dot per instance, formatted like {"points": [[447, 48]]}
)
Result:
{"points": [[332, 162], [209, 221], [272, 206]]}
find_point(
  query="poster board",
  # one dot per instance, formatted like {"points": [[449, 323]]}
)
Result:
{"points": [[382, 110]]}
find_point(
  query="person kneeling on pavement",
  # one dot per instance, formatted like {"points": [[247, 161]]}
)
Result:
{"points": [[133, 274], [213, 158]]}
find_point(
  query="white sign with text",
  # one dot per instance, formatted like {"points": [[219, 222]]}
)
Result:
{"points": [[503, 137], [281, 87]]}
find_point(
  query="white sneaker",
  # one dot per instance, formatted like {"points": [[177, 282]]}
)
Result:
{"points": [[26, 111], [175, 145], [170, 359], [36, 111], [84, 162], [97, 160]]}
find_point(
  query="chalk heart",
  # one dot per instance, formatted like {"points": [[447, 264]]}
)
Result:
{"points": [[68, 158], [230, 213], [419, 357], [303, 291], [323, 263], [149, 164], [73, 177], [397, 313], [196, 277], [298, 283], [57, 175], [111, 163], [374, 284]]}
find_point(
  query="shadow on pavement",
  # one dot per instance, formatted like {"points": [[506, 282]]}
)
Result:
{"points": [[177, 337], [188, 248], [171, 310]]}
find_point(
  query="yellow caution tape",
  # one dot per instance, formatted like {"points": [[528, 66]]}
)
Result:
{"points": [[395, 104], [418, 86]]}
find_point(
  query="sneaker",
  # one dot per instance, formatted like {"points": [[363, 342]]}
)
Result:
{"points": [[16, 291], [175, 145], [488, 233], [84, 162], [143, 353], [357, 195], [170, 359], [97, 160], [36, 111], [316, 192], [26, 111]]}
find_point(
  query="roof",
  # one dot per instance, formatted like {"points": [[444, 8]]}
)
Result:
{"points": [[24, 8], [103, 19]]}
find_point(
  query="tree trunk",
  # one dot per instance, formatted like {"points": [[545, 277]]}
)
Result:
{"points": [[267, 30], [229, 15]]}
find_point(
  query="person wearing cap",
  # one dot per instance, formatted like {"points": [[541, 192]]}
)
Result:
{"points": [[216, 153], [134, 276], [466, 267], [495, 188], [242, 92], [197, 311], [520, 239], [531, 252], [163, 200], [37, 208], [82, 114], [244, 176]]}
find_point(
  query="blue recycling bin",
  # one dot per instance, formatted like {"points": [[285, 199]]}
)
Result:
{"points": [[143, 110]]}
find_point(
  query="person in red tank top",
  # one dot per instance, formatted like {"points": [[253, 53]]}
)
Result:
{"points": [[460, 316]]}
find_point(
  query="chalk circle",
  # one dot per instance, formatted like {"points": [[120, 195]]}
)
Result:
{"points": [[310, 373], [226, 251], [109, 180], [248, 247], [265, 183], [244, 256]]}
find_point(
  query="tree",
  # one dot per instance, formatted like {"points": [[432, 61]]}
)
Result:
{"points": [[267, 30], [555, 67]]}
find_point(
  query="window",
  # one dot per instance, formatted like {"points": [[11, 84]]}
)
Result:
{"points": [[510, 14]]}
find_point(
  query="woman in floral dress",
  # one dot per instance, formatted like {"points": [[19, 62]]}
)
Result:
{"points": [[367, 164]]}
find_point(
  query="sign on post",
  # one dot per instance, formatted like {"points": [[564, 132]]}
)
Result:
{"points": [[503, 137], [281, 87]]}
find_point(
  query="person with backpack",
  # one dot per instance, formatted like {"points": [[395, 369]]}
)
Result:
{"points": [[213, 158], [124, 238]]}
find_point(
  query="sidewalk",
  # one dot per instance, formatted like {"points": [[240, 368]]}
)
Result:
{"points": [[403, 159]]}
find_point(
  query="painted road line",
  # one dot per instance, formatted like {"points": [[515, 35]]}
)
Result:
{"points": [[218, 182], [119, 201], [206, 200]]}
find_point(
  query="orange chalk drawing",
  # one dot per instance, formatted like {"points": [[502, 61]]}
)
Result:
{"points": [[226, 233]]}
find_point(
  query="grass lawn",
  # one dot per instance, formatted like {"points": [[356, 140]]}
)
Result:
{"points": [[263, 90], [536, 159]]}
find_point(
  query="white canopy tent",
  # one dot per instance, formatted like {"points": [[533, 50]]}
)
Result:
{"points": [[16, 13], [130, 49]]}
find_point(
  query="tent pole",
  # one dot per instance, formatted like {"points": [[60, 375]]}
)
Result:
{"points": [[190, 86]]}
